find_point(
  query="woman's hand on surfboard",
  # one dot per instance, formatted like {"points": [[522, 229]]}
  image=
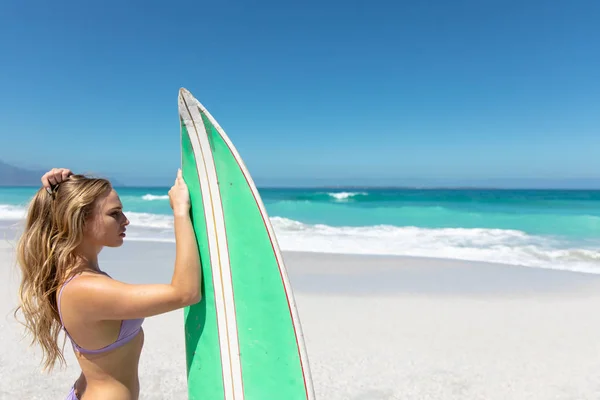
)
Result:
{"points": [[179, 196], [54, 177]]}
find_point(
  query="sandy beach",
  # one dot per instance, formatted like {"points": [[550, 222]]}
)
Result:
{"points": [[377, 328]]}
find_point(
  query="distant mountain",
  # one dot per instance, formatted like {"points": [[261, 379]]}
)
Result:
{"points": [[16, 176]]}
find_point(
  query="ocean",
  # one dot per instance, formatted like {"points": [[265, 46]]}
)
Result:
{"points": [[557, 229]]}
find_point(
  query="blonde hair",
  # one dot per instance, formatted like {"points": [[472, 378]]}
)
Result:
{"points": [[46, 253]]}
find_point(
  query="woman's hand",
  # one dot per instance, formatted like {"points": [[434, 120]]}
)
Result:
{"points": [[179, 196], [54, 177]]}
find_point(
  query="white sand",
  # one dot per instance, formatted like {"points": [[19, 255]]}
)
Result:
{"points": [[376, 328]]}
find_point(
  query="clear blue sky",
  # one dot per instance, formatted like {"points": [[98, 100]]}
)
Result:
{"points": [[312, 92]]}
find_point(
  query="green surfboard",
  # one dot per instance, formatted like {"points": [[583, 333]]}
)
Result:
{"points": [[243, 340]]}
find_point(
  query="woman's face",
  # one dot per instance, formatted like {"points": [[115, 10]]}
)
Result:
{"points": [[107, 224]]}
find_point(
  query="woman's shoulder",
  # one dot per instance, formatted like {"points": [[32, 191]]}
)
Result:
{"points": [[80, 280]]}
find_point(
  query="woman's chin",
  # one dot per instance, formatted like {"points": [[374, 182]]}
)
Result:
{"points": [[117, 243]]}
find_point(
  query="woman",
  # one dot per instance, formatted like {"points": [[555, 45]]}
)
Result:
{"points": [[69, 221]]}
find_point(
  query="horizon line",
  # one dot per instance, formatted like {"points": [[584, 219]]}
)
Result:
{"points": [[342, 187]]}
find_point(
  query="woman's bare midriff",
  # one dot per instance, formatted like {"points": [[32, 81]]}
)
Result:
{"points": [[111, 375]]}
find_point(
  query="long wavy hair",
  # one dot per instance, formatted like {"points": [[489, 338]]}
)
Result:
{"points": [[46, 255]]}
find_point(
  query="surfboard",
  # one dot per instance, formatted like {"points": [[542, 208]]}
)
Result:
{"points": [[244, 339]]}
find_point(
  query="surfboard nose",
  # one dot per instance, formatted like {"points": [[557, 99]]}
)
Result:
{"points": [[183, 92], [185, 98]]}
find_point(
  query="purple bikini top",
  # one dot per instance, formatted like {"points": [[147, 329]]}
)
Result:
{"points": [[129, 329]]}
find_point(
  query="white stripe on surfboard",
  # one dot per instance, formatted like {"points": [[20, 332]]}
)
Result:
{"points": [[289, 293], [216, 274], [227, 324], [221, 236]]}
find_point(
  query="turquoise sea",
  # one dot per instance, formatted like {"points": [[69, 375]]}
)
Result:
{"points": [[537, 228]]}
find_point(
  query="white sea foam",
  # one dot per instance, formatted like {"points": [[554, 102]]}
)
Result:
{"points": [[9, 212], [490, 245], [343, 196], [153, 197], [146, 220]]}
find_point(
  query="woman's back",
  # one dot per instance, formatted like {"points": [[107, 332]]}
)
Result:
{"points": [[109, 350]]}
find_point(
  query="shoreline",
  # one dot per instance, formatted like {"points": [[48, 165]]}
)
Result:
{"points": [[387, 259], [478, 241]]}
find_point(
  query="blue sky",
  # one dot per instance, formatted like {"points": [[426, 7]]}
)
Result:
{"points": [[352, 92]]}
